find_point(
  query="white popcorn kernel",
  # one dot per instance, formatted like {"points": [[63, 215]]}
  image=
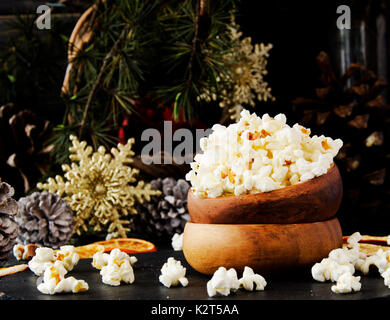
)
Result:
{"points": [[177, 241], [353, 240], [115, 267], [173, 273], [68, 256], [54, 281], [347, 283], [19, 252], [72, 284], [223, 282], [386, 277], [329, 269], [250, 279], [100, 259], [44, 258]]}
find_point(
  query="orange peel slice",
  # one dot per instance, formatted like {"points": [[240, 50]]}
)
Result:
{"points": [[128, 245]]}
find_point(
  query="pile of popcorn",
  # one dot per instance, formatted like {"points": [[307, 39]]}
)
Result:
{"points": [[341, 264], [259, 155], [53, 266]]}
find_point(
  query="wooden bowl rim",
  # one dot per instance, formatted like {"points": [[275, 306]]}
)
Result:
{"points": [[332, 167]]}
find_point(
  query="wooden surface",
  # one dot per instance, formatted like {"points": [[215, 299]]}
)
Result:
{"points": [[315, 200], [146, 287], [267, 248]]}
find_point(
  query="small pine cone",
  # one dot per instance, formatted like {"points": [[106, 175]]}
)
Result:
{"points": [[163, 215], [8, 227], [44, 219]]}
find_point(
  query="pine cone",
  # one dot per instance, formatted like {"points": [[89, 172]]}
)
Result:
{"points": [[163, 215], [23, 156], [44, 219], [8, 227], [352, 108]]}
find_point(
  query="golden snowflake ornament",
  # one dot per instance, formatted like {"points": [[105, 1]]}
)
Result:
{"points": [[245, 82], [99, 187]]}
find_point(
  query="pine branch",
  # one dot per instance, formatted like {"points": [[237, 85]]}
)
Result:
{"points": [[100, 75]]}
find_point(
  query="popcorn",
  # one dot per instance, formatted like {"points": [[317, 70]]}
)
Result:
{"points": [[68, 256], [24, 252], [44, 258], [347, 283], [381, 259], [329, 269], [259, 155], [177, 241], [249, 279], [114, 267], [173, 274], [223, 282], [54, 280], [386, 277], [353, 240]]}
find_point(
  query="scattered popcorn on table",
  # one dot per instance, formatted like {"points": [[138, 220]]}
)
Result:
{"points": [[259, 155], [54, 281], [223, 282], [173, 273], [115, 267], [177, 241], [347, 283], [342, 263], [249, 279]]}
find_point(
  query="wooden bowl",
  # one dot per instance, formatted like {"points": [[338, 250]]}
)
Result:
{"points": [[317, 199], [266, 248]]}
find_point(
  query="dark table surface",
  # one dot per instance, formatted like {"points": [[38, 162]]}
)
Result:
{"points": [[146, 286]]}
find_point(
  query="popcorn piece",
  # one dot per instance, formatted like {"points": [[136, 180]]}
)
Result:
{"points": [[114, 267], [353, 240], [388, 240], [249, 279], [381, 259], [329, 269], [347, 283], [386, 277], [177, 241], [100, 259], [173, 273], [68, 256], [54, 281], [24, 252], [259, 155], [223, 282], [44, 258]]}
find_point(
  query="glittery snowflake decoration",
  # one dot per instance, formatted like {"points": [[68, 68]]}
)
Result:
{"points": [[245, 82], [99, 187]]}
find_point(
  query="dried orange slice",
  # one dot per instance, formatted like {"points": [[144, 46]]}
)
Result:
{"points": [[128, 245]]}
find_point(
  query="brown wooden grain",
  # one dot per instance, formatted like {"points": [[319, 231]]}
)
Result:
{"points": [[317, 199], [267, 248]]}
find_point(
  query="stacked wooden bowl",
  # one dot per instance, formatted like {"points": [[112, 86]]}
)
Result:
{"points": [[285, 229]]}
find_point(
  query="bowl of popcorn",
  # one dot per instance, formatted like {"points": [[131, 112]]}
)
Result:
{"points": [[265, 195]]}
